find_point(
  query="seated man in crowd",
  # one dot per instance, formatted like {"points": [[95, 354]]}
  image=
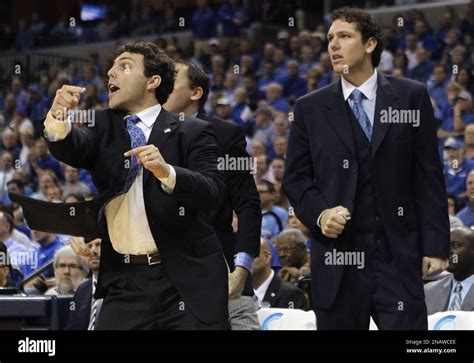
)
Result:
{"points": [[293, 255], [86, 307], [456, 291], [466, 215], [70, 270], [456, 168], [6, 279], [270, 290], [274, 218]]}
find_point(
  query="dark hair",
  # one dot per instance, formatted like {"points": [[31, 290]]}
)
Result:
{"points": [[197, 77], [155, 62], [18, 183], [270, 186], [455, 200], [366, 24]]}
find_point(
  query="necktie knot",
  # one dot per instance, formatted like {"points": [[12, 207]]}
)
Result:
{"points": [[458, 287], [356, 96], [132, 119]]}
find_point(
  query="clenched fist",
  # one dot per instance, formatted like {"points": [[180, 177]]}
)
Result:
{"points": [[333, 221]]}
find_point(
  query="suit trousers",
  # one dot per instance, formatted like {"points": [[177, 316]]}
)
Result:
{"points": [[243, 313], [376, 291], [142, 297]]}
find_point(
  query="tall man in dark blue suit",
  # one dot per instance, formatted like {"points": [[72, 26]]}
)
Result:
{"points": [[371, 192]]}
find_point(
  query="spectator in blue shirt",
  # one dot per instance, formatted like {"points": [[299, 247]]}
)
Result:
{"points": [[294, 86], [456, 167], [437, 87], [423, 70], [20, 258], [46, 161], [466, 215], [233, 18], [326, 70], [463, 112], [19, 93], [281, 68], [49, 244], [37, 107], [424, 35], [268, 76], [275, 99], [273, 219], [203, 23]]}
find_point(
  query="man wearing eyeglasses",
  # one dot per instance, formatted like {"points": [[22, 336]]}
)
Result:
{"points": [[69, 271]]}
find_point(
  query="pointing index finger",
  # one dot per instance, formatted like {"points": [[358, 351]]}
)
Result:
{"points": [[73, 89]]}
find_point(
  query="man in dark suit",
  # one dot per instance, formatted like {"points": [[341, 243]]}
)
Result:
{"points": [[162, 265], [188, 98], [371, 193], [271, 290], [456, 291], [86, 309]]}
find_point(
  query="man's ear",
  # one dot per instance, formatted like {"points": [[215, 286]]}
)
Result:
{"points": [[154, 82], [371, 45], [197, 93]]}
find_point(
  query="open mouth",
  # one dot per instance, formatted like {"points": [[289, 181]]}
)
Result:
{"points": [[113, 89], [336, 58]]}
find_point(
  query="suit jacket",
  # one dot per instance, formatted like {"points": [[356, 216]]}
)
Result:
{"points": [[282, 294], [241, 196], [322, 172], [191, 253], [80, 316], [438, 293]]}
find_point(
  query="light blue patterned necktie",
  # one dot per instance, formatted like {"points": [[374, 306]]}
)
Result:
{"points": [[137, 139], [457, 300], [356, 97]]}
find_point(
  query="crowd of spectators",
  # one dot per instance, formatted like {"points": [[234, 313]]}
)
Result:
{"points": [[253, 85]]}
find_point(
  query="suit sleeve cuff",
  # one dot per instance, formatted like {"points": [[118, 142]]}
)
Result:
{"points": [[245, 260], [56, 130], [168, 184]]}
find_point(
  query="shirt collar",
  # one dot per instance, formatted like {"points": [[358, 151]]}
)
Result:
{"points": [[148, 116], [262, 289], [466, 284], [368, 88]]}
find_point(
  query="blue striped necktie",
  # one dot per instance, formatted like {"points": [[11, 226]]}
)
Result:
{"points": [[356, 97], [137, 138]]}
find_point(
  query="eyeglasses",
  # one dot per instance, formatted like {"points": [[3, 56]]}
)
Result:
{"points": [[72, 266], [285, 249]]}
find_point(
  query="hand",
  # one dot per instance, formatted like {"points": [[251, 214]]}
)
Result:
{"points": [[457, 108], [333, 221], [79, 247], [67, 97], [237, 282], [290, 274], [433, 266], [151, 158]]}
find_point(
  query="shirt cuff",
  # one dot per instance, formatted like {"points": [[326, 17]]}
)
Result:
{"points": [[318, 222], [56, 130], [243, 259], [168, 184]]}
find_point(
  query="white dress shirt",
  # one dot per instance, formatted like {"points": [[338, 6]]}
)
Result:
{"points": [[127, 221], [262, 289]]}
